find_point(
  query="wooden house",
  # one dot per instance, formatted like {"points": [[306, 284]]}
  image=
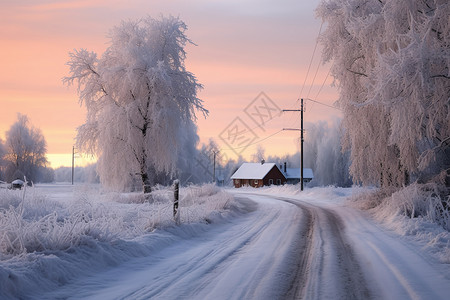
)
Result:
{"points": [[258, 175], [293, 174]]}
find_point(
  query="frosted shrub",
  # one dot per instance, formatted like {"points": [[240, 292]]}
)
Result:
{"points": [[31, 221], [370, 198], [425, 201], [199, 203], [9, 198]]}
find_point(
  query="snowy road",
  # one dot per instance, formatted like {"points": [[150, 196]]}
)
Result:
{"points": [[282, 249]]}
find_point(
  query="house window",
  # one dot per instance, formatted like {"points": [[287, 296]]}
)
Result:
{"points": [[270, 181], [278, 181], [256, 182]]}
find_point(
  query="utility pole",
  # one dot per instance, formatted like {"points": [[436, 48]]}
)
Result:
{"points": [[214, 168], [301, 146], [301, 140], [73, 161], [176, 196]]}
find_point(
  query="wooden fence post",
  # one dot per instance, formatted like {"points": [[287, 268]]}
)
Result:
{"points": [[176, 193]]}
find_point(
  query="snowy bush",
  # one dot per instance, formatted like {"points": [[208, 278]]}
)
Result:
{"points": [[419, 201], [414, 201], [419, 211], [31, 221]]}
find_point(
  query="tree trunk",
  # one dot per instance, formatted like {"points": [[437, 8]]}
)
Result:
{"points": [[145, 182]]}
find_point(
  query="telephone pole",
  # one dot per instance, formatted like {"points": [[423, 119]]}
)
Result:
{"points": [[73, 161], [301, 140], [301, 146], [214, 168]]}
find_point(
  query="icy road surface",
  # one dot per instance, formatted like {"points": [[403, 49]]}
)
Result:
{"points": [[283, 249]]}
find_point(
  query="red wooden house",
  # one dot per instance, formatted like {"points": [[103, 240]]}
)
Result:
{"points": [[257, 175]]}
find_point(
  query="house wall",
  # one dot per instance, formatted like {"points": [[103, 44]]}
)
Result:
{"points": [[247, 182], [274, 174], [297, 180]]}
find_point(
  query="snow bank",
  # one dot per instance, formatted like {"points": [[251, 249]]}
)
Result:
{"points": [[418, 212], [45, 241]]}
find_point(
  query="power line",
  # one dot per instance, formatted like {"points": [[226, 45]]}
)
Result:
{"points": [[314, 79], [323, 83], [312, 57], [267, 137], [323, 104]]}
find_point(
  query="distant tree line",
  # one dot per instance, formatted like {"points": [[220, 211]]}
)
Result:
{"points": [[85, 174], [24, 149]]}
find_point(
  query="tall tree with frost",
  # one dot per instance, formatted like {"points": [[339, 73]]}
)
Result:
{"points": [[2, 161], [25, 150], [139, 99], [391, 61]]}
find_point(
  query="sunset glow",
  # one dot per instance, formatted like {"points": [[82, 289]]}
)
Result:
{"points": [[242, 49]]}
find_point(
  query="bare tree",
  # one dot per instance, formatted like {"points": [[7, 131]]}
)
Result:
{"points": [[140, 101], [25, 150]]}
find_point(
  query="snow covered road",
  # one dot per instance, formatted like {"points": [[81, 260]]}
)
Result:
{"points": [[283, 248]]}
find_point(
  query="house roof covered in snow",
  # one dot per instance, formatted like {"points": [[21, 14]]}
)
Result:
{"points": [[253, 171], [294, 173]]}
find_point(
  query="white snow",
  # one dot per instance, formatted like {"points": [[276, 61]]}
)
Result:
{"points": [[243, 249], [402, 258]]}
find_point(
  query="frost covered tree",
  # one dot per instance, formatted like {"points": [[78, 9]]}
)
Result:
{"points": [[140, 101], [2, 161], [323, 153], [391, 61], [25, 150], [259, 155]]}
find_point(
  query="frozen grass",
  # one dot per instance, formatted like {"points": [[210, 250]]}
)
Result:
{"points": [[418, 211], [50, 235], [31, 221]]}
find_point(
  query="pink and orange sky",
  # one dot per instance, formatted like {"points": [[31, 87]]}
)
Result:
{"points": [[243, 48]]}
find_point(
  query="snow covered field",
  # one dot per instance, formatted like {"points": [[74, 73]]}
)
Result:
{"points": [[268, 243], [51, 234]]}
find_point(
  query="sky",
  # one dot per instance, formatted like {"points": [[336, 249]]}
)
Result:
{"points": [[251, 56]]}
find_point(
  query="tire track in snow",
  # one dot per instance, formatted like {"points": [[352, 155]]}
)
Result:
{"points": [[299, 281], [325, 249], [208, 267], [352, 280], [397, 269]]}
